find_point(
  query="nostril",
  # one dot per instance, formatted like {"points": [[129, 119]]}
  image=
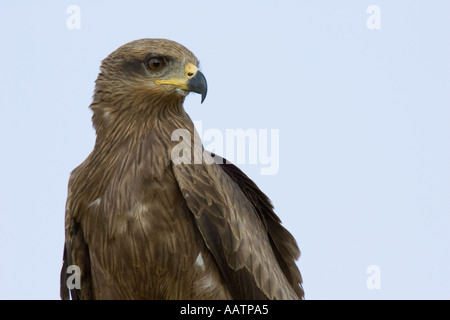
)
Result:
{"points": [[190, 74]]}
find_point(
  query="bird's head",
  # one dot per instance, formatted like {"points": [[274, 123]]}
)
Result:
{"points": [[144, 79], [150, 68]]}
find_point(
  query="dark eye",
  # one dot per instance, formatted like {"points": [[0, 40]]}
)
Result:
{"points": [[155, 63]]}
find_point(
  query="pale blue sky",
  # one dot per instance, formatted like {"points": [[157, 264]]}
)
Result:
{"points": [[363, 118]]}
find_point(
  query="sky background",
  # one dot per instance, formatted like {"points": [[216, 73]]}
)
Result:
{"points": [[363, 118]]}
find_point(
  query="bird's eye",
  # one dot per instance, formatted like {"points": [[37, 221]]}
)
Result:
{"points": [[156, 63]]}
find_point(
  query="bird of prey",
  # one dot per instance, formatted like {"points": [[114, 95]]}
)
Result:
{"points": [[139, 225]]}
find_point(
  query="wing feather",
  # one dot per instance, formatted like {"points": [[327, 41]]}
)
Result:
{"points": [[233, 232], [76, 252], [283, 243]]}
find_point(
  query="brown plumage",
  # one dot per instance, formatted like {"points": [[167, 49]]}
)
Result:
{"points": [[140, 226]]}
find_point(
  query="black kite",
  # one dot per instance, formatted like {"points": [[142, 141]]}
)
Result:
{"points": [[140, 226]]}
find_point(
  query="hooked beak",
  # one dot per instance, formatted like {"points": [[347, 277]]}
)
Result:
{"points": [[193, 81]]}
